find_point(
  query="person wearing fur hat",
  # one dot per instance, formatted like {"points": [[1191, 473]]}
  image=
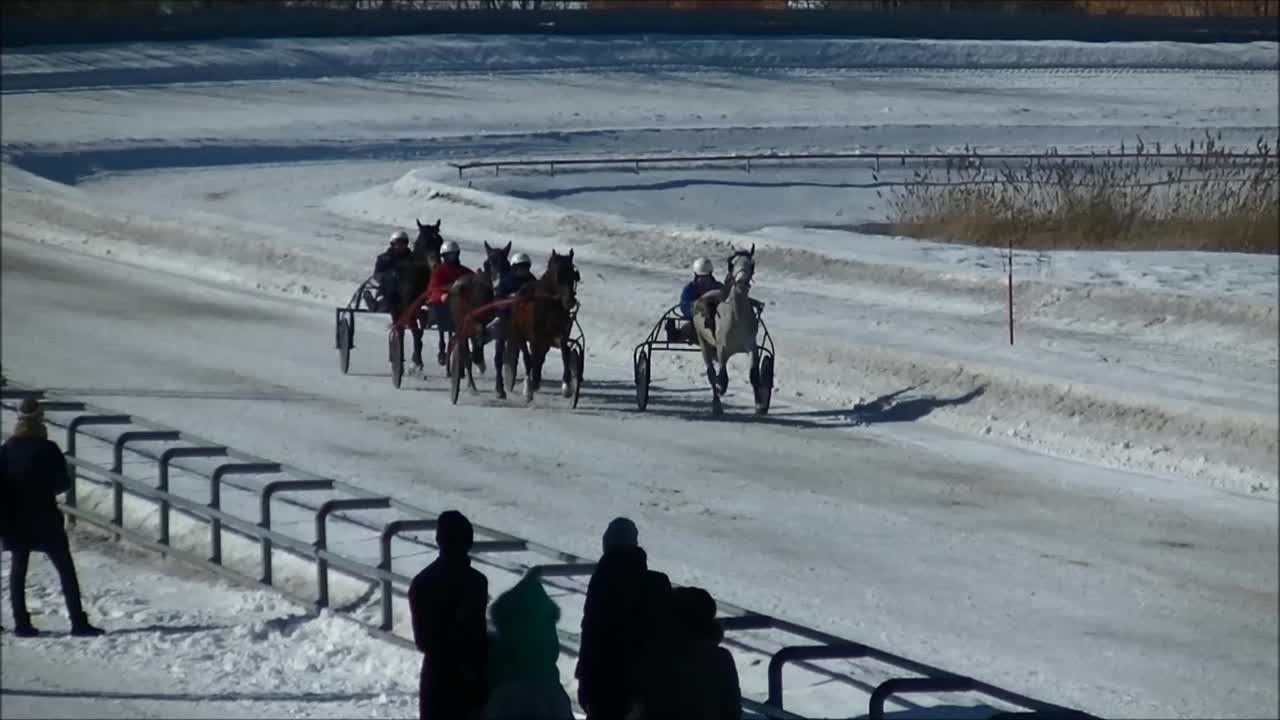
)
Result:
{"points": [[33, 472], [698, 679]]}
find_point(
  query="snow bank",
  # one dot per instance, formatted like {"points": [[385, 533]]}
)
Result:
{"points": [[194, 646], [240, 60], [1178, 380]]}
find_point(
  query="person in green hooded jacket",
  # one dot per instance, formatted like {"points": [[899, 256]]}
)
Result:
{"points": [[524, 679]]}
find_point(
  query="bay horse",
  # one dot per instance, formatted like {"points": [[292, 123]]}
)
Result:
{"points": [[412, 276], [542, 318], [733, 323], [470, 292]]}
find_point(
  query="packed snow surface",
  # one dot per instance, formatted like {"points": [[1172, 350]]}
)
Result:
{"points": [[1087, 516]]}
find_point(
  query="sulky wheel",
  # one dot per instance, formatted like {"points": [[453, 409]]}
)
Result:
{"points": [[764, 385], [397, 357], [344, 345], [642, 380]]}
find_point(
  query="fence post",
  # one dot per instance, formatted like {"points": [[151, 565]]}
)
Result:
{"points": [[389, 531], [117, 464], [215, 497], [166, 458], [322, 536], [944, 683], [798, 653], [73, 432], [264, 506]]}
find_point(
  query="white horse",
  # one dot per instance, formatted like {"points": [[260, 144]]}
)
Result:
{"points": [[734, 324]]}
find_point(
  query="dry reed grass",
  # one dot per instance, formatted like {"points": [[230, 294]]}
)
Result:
{"points": [[1207, 197]]}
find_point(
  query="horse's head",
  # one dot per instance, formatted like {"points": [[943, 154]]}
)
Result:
{"points": [[742, 267], [561, 277], [427, 246], [496, 261]]}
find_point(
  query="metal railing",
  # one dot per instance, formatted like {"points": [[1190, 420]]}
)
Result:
{"points": [[952, 159], [389, 584]]}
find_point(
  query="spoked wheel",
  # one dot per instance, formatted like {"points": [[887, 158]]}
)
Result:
{"points": [[642, 380], [457, 367], [763, 384], [397, 357], [345, 331]]}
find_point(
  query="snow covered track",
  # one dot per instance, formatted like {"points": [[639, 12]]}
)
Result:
{"points": [[1091, 512]]}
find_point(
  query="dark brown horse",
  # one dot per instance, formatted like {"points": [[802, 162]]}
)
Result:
{"points": [[412, 275], [473, 291], [542, 318]]}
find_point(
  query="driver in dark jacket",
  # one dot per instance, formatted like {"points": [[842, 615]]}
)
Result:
{"points": [[512, 282], [384, 268]]}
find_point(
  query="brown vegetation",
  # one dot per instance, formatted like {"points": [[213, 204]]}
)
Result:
{"points": [[1207, 198]]}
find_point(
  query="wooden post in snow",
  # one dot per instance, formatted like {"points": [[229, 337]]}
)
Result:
{"points": [[1010, 289]]}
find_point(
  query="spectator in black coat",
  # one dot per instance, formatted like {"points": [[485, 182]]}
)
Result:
{"points": [[621, 626], [33, 472], [447, 602], [698, 679]]}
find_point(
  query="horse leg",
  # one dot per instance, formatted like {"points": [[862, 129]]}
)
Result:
{"points": [[477, 354], [566, 379], [470, 343], [500, 367], [416, 330], [533, 359], [709, 359]]}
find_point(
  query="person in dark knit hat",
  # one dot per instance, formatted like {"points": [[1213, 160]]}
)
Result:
{"points": [[622, 626], [447, 602], [33, 472]]}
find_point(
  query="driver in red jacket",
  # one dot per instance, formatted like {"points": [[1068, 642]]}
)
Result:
{"points": [[444, 275]]}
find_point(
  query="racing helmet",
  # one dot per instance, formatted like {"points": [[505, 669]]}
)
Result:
{"points": [[449, 248], [520, 259], [399, 236], [702, 266]]}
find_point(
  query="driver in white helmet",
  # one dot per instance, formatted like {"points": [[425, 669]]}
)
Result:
{"points": [[703, 282], [384, 270], [512, 281], [518, 277]]}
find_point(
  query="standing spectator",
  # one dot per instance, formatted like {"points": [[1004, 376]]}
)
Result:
{"points": [[33, 471], [622, 626], [523, 675], [447, 603], [698, 679]]}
